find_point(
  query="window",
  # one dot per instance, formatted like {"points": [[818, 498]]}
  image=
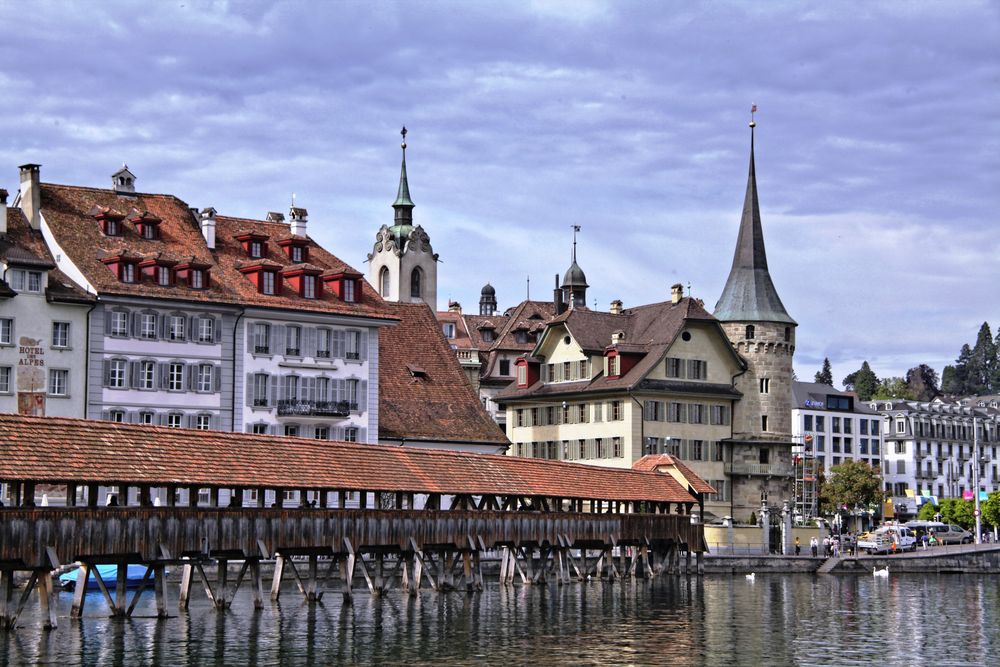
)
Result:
{"points": [[348, 292], [864, 426], [203, 422], [847, 425], [820, 443], [764, 455], [60, 334], [119, 323], [256, 249], [518, 414], [162, 275], [763, 422], [308, 284], [321, 433], [206, 377], [6, 331], [259, 429], [350, 434], [599, 448], [521, 336], [449, 329], [616, 410], [353, 339], [675, 367], [110, 227], [145, 417], [505, 367], [750, 332], [820, 423], [697, 369], [584, 372], [175, 377], [807, 423], [267, 282], [25, 281], [322, 389], [260, 390], [177, 326], [900, 426], [196, 279], [765, 385], [863, 447], [522, 375], [146, 371], [697, 450], [582, 413], [149, 232], [174, 420], [352, 393], [262, 338], [128, 272], [291, 387], [836, 444], [384, 282], [116, 373], [323, 344], [676, 412], [5, 379], [415, 283], [848, 445], [296, 254], [58, 382], [206, 330], [616, 447], [788, 334], [835, 426], [147, 325], [614, 366], [117, 416], [696, 413], [292, 430], [720, 414], [293, 340]]}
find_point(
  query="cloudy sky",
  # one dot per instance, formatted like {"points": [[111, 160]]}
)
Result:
{"points": [[878, 142]]}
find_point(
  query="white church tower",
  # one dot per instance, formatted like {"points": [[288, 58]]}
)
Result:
{"points": [[402, 266]]}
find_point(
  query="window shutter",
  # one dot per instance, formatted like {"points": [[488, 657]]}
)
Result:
{"points": [[647, 411], [249, 387], [272, 395], [338, 345], [107, 372], [192, 323], [278, 342], [217, 329], [726, 419], [161, 418], [217, 380], [307, 389], [105, 415], [362, 396], [133, 374], [164, 374], [682, 414], [363, 345], [135, 318], [272, 429], [163, 325], [107, 322], [362, 435], [310, 342], [251, 342]]}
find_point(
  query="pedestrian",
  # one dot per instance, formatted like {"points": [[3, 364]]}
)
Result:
{"points": [[814, 546], [798, 547], [836, 547]]}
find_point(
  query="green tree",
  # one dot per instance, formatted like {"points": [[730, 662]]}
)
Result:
{"points": [[825, 376], [927, 512], [982, 362], [894, 387], [958, 511], [863, 382], [991, 509], [955, 379], [922, 382], [850, 484]]}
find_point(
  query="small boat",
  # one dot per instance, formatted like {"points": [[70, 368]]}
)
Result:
{"points": [[109, 573]]}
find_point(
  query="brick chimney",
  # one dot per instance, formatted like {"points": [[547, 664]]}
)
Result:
{"points": [[676, 293], [208, 226], [297, 219], [616, 307], [31, 194], [455, 307]]}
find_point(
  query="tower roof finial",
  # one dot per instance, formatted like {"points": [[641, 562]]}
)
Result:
{"points": [[403, 194]]}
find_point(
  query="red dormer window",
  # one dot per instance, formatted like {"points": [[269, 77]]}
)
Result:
{"points": [[147, 224], [526, 372], [254, 244], [304, 279], [265, 277], [109, 219], [345, 284], [124, 268], [195, 274], [614, 364], [297, 250], [159, 271]]}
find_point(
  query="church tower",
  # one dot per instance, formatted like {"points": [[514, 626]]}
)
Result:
{"points": [[762, 332], [402, 266]]}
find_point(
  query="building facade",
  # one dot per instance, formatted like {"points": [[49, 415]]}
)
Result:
{"points": [[829, 427]]}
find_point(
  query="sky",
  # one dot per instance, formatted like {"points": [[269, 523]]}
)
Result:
{"points": [[877, 144]]}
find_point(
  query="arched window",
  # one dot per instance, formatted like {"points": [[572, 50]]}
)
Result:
{"points": [[750, 332], [415, 283], [383, 281]]}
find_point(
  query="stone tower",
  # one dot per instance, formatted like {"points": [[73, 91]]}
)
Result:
{"points": [[762, 332], [402, 266], [488, 300]]}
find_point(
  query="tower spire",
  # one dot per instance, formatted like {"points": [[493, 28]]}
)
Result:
{"points": [[403, 204], [749, 294]]}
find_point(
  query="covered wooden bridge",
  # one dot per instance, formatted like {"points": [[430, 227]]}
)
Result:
{"points": [[399, 517]]}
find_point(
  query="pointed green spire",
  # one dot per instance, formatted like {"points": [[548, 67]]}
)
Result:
{"points": [[403, 204]]}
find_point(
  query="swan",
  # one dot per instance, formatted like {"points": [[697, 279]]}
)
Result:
{"points": [[884, 572], [751, 576]]}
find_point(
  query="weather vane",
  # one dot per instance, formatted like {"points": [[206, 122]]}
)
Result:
{"points": [[753, 110], [403, 132]]}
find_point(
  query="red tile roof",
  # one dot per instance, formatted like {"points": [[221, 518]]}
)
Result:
{"points": [[21, 242], [654, 462], [50, 449], [440, 405]]}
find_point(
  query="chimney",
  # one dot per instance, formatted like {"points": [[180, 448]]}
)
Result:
{"points": [[455, 307], [123, 181], [557, 300], [616, 307], [3, 211], [31, 194], [274, 216], [617, 337], [208, 226], [297, 218], [676, 293]]}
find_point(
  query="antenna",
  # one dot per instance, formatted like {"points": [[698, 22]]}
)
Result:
{"points": [[576, 229], [293, 200], [528, 296]]}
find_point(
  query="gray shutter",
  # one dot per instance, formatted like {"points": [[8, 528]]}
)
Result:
{"points": [[249, 388], [341, 389], [338, 345], [105, 415], [164, 370], [217, 328], [251, 344], [272, 395], [307, 389], [309, 342], [107, 372], [362, 397], [278, 342], [217, 370], [163, 325], [362, 435], [135, 318], [363, 345], [133, 374], [161, 418], [192, 326], [107, 322], [189, 377]]}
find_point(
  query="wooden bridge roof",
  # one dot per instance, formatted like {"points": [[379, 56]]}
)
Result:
{"points": [[56, 450]]}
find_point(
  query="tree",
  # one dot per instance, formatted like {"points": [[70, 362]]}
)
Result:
{"points": [[982, 362], [894, 387], [991, 509], [863, 382], [955, 379], [850, 484], [927, 512], [958, 511], [825, 376], [922, 382]]}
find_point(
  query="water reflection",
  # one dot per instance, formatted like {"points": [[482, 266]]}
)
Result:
{"points": [[776, 620]]}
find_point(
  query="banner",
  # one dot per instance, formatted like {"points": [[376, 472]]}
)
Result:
{"points": [[967, 495]]}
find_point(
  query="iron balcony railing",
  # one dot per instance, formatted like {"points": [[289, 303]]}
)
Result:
{"points": [[316, 408]]}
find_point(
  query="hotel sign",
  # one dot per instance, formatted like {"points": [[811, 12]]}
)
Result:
{"points": [[31, 378]]}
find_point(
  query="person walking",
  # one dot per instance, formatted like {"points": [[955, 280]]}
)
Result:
{"points": [[814, 546], [798, 547]]}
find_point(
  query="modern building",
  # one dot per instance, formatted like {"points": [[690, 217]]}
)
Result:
{"points": [[829, 427], [43, 326], [402, 266], [932, 449], [763, 334], [608, 388]]}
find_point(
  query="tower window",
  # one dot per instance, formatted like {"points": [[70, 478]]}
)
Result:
{"points": [[751, 332], [763, 424], [415, 284], [383, 281], [788, 334], [765, 386]]}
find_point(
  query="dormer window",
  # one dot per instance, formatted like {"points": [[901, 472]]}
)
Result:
{"points": [[303, 279], [196, 279], [124, 267], [22, 280], [264, 276], [488, 335], [111, 228], [309, 287], [163, 276], [195, 274], [267, 282], [346, 285], [255, 245], [256, 249], [296, 249], [127, 272], [147, 224]]}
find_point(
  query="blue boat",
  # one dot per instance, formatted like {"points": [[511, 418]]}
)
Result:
{"points": [[109, 573]]}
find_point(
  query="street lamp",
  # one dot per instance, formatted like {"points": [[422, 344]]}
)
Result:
{"points": [[975, 477]]}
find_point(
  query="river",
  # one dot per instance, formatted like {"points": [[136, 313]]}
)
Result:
{"points": [[778, 619]]}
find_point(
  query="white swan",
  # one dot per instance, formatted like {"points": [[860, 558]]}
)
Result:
{"points": [[884, 572], [751, 576]]}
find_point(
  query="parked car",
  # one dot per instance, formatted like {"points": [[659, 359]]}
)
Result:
{"points": [[944, 533]]}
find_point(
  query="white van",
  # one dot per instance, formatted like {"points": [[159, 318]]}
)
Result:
{"points": [[882, 539]]}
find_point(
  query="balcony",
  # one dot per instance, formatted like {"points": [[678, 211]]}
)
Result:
{"points": [[316, 408], [759, 469]]}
